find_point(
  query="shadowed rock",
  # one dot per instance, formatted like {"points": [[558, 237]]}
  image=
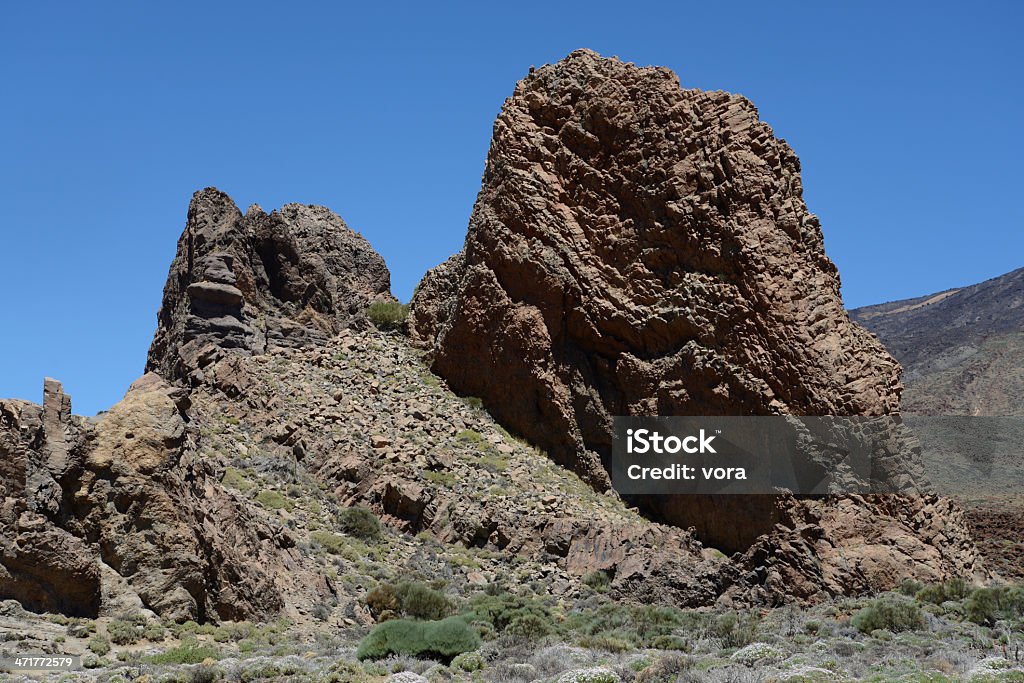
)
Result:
{"points": [[249, 283], [642, 249]]}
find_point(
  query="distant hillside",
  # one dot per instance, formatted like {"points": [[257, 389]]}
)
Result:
{"points": [[962, 350]]}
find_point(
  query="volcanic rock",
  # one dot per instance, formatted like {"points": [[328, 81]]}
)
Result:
{"points": [[248, 283], [642, 249], [41, 565], [133, 496]]}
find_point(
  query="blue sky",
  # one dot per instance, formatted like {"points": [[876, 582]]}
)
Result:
{"points": [[906, 117]]}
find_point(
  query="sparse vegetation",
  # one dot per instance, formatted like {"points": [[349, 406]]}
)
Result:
{"points": [[189, 652], [890, 614], [99, 645], [441, 640], [598, 580], [359, 522], [388, 315], [272, 500]]}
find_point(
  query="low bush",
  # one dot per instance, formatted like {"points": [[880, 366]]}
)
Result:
{"points": [[189, 652], [889, 614], [954, 589], [468, 661], [332, 543], [638, 625], [388, 315], [359, 522], [420, 601], [986, 606], [598, 580], [442, 640], [124, 631], [530, 627], [501, 609], [734, 630], [382, 600], [99, 644], [272, 500], [671, 643], [668, 669]]}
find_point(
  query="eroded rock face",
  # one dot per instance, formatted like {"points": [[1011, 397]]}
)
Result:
{"points": [[638, 248], [246, 283], [41, 565], [642, 249], [132, 495]]}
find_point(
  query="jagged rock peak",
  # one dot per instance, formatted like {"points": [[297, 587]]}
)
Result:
{"points": [[638, 248], [246, 283]]}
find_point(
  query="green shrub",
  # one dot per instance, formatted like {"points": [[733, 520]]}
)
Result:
{"points": [[124, 632], [409, 598], [889, 614], [204, 674], [910, 587], [382, 599], [359, 522], [668, 669], [501, 609], [332, 543], [598, 580], [954, 589], [78, 627], [986, 606], [670, 643], [470, 436], [273, 500], [420, 601], [530, 627], [468, 661], [154, 632], [609, 642], [99, 644], [234, 478], [387, 315], [639, 625], [734, 630], [189, 652], [441, 640]]}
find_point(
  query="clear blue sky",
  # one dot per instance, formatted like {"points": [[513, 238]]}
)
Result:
{"points": [[907, 117]]}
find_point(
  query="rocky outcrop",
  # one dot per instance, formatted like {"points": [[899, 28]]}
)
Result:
{"points": [[41, 565], [638, 248], [246, 283], [642, 249], [132, 495]]}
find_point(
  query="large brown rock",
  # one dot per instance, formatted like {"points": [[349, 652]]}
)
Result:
{"points": [[41, 565], [132, 495], [638, 248], [642, 249], [246, 283]]}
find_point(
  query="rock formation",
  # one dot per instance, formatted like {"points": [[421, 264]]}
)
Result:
{"points": [[636, 249], [642, 249], [129, 501], [133, 496], [246, 283], [41, 565]]}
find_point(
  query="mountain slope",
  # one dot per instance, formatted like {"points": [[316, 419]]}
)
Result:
{"points": [[962, 350]]}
